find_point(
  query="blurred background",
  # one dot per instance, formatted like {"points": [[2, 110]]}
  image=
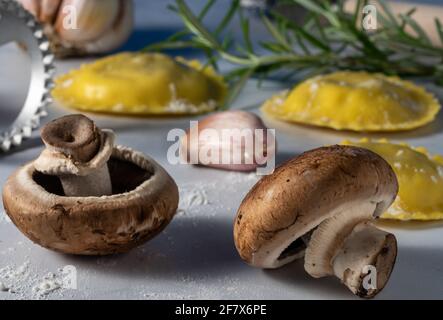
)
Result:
{"points": [[154, 22]]}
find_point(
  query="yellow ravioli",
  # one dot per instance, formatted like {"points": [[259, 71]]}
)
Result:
{"points": [[357, 101], [420, 178], [143, 84]]}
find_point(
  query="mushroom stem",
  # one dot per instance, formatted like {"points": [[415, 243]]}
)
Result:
{"points": [[77, 152], [366, 259], [97, 183], [350, 247]]}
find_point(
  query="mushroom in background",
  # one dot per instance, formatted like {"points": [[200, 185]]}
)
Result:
{"points": [[84, 195], [83, 27], [321, 205]]}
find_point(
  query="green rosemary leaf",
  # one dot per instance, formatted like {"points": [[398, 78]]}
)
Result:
{"points": [[357, 11], [244, 52], [324, 39], [313, 40], [416, 27], [238, 86], [388, 12], [228, 17], [316, 8], [245, 30], [177, 36], [341, 5], [211, 60], [368, 45], [227, 42], [193, 24], [169, 45], [328, 38], [409, 13], [275, 33], [172, 8], [301, 43], [272, 47], [206, 9], [303, 34], [439, 27]]}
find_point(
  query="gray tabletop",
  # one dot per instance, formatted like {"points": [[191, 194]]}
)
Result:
{"points": [[195, 256]]}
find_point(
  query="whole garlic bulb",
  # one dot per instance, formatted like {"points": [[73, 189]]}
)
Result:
{"points": [[83, 27]]}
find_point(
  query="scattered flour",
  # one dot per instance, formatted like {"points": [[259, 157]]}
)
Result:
{"points": [[14, 279], [243, 179], [167, 296], [191, 197], [48, 284], [195, 198], [7, 250], [24, 283], [11, 272]]}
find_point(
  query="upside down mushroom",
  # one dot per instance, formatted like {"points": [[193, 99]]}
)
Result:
{"points": [[83, 195], [321, 205]]}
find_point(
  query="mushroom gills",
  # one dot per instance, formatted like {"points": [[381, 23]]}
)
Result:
{"points": [[296, 248], [125, 177]]}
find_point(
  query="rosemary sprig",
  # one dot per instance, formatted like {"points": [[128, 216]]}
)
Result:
{"points": [[328, 39]]}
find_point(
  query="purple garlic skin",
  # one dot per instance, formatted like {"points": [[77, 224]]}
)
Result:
{"points": [[229, 140]]}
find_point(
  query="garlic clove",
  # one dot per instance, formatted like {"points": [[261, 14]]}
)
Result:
{"points": [[33, 6], [93, 19], [119, 32], [227, 140], [48, 10], [80, 27]]}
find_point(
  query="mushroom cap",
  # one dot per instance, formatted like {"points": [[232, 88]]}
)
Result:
{"points": [[145, 200], [303, 192]]}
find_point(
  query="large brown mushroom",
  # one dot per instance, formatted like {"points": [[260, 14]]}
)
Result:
{"points": [[85, 196], [320, 205]]}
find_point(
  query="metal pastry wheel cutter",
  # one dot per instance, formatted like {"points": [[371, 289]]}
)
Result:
{"points": [[18, 25]]}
